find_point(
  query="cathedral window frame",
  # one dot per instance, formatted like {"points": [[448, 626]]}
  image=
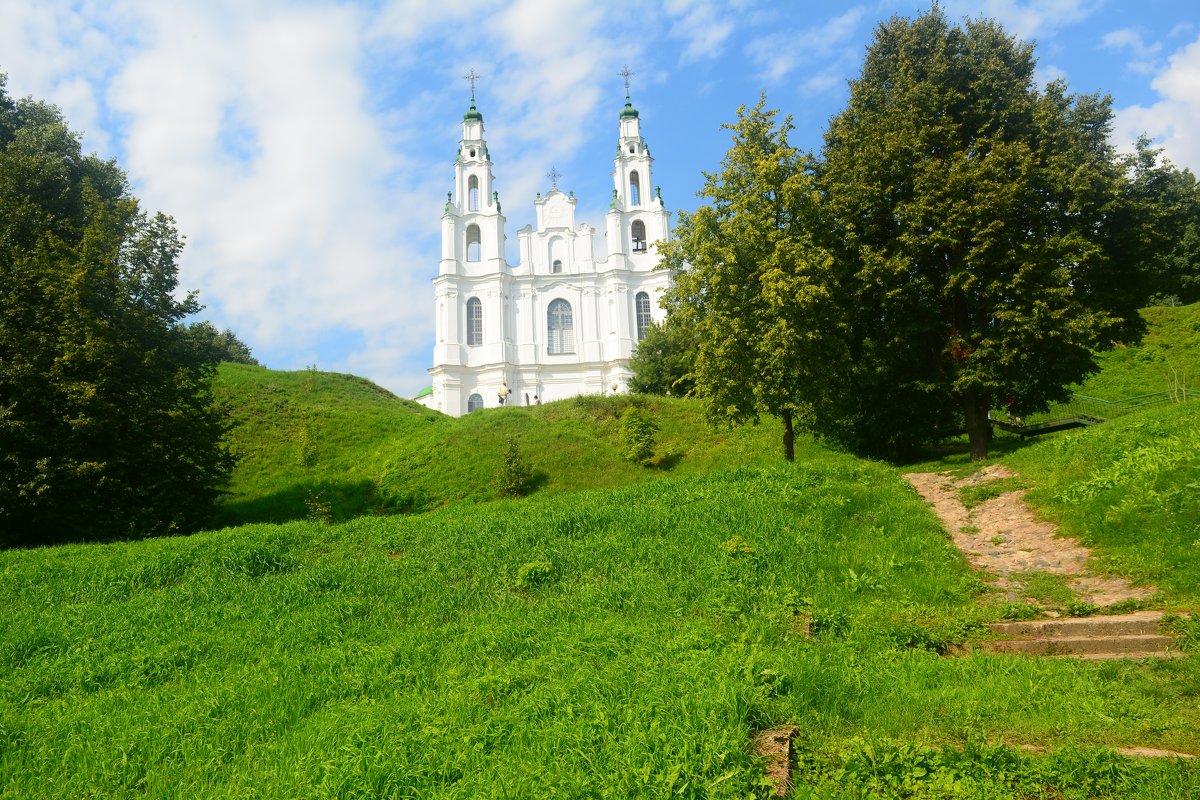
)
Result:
{"points": [[474, 402], [474, 238], [560, 327], [637, 236], [556, 266], [473, 193], [474, 322], [635, 189], [641, 309]]}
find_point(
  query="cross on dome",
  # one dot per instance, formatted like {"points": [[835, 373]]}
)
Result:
{"points": [[627, 73], [470, 78], [554, 175]]}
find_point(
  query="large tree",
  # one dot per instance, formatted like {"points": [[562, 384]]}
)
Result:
{"points": [[106, 423], [752, 285], [988, 236]]}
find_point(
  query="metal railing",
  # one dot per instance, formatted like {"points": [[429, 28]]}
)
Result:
{"points": [[1084, 410]]}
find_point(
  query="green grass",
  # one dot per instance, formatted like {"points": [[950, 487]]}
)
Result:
{"points": [[1167, 357], [312, 438], [619, 643], [623, 632], [1130, 489]]}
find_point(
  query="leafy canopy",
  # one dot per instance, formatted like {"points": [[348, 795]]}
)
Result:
{"points": [[988, 237], [106, 425], [752, 281]]}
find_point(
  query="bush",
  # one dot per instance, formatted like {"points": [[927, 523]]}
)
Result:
{"points": [[514, 477], [637, 435]]}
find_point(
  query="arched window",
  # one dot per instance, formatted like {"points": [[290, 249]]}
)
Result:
{"points": [[635, 189], [556, 266], [639, 236], [473, 243], [472, 193], [475, 322], [641, 303], [560, 329], [474, 403]]}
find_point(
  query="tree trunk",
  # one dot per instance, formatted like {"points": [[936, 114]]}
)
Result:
{"points": [[789, 440], [979, 430]]}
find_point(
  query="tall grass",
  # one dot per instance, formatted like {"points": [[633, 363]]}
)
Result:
{"points": [[1131, 490], [310, 438], [614, 643]]}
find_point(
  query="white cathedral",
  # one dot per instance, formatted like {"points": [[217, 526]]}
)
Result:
{"points": [[559, 323]]}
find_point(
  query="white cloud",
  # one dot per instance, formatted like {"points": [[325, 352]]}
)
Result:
{"points": [[1174, 121], [251, 126], [778, 54], [1047, 73], [702, 26], [1130, 40], [1033, 18]]}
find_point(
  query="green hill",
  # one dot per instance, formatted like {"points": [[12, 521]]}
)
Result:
{"points": [[622, 642], [623, 632], [1168, 357], [309, 439]]}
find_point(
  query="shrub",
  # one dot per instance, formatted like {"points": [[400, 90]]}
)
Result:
{"points": [[514, 476], [637, 435]]}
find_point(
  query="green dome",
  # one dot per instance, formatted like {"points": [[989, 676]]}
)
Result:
{"points": [[473, 114], [629, 112]]}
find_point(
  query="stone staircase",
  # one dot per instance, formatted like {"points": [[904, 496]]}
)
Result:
{"points": [[1135, 635]]}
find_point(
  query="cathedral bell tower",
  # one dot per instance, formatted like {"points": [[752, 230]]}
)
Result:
{"points": [[472, 225], [636, 219]]}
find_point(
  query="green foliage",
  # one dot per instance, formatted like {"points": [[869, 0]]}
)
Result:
{"points": [[976, 493], [514, 476], [637, 435], [106, 423], [752, 282], [534, 574], [988, 238], [663, 361], [219, 346], [870, 768]]}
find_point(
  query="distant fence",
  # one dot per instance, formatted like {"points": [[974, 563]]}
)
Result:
{"points": [[1082, 410]]}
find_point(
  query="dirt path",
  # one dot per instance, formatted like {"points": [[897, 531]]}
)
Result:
{"points": [[1001, 537]]}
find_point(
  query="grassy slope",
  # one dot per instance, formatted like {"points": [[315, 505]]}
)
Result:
{"points": [[1130, 488], [420, 656], [1170, 352], [338, 439], [409, 657]]}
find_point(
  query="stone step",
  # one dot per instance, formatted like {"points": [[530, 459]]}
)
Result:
{"points": [[1142, 644], [1137, 623]]}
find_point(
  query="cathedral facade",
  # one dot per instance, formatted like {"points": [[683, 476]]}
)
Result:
{"points": [[560, 322]]}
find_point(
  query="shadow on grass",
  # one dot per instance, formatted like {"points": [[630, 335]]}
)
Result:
{"points": [[956, 452], [328, 501]]}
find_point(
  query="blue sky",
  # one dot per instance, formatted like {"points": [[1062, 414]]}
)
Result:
{"points": [[306, 148]]}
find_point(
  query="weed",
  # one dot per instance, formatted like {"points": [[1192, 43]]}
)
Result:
{"points": [[533, 575], [737, 546], [1081, 608], [1020, 612], [1047, 588], [974, 494]]}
